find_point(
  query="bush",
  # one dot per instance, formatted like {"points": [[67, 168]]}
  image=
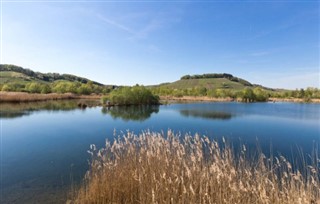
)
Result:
{"points": [[33, 87], [257, 94], [7, 87], [137, 95], [84, 89], [260, 95]]}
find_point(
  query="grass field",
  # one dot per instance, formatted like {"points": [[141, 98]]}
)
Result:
{"points": [[14, 77]]}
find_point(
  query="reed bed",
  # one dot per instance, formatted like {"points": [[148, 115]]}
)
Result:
{"points": [[170, 168], [32, 97]]}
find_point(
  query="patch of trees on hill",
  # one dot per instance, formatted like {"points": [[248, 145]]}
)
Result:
{"points": [[224, 75], [48, 77], [57, 87]]}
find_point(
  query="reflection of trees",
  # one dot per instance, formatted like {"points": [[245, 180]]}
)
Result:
{"points": [[134, 113], [14, 110], [208, 114], [13, 114]]}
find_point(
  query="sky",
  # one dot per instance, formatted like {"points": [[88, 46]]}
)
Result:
{"points": [[272, 43]]}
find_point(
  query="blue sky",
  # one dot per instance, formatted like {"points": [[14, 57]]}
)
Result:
{"points": [[273, 43]]}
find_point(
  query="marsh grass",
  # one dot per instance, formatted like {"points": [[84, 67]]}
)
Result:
{"points": [[31, 97], [169, 168]]}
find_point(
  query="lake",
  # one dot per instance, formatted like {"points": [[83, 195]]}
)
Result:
{"points": [[44, 145]]}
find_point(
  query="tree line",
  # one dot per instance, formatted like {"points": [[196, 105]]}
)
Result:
{"points": [[57, 87], [247, 94], [307, 94]]}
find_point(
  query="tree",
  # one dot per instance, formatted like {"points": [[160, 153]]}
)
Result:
{"points": [[6, 87], [247, 95], [84, 89], [301, 93], [59, 87], [202, 91], [136, 95], [45, 89], [33, 87], [260, 95]]}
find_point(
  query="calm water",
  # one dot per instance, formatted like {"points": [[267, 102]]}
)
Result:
{"points": [[44, 144]]}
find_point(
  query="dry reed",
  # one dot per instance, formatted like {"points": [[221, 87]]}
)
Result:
{"points": [[29, 97], [158, 168]]}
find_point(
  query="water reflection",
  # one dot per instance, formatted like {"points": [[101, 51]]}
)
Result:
{"points": [[40, 152], [16, 110], [133, 113], [206, 114]]}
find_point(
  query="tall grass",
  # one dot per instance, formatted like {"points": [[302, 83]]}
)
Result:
{"points": [[168, 168], [28, 97]]}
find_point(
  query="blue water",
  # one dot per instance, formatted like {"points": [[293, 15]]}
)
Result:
{"points": [[46, 148]]}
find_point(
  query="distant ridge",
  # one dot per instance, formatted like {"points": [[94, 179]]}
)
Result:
{"points": [[216, 76], [29, 75], [211, 81]]}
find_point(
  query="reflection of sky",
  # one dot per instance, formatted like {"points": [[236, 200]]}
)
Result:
{"points": [[43, 146]]}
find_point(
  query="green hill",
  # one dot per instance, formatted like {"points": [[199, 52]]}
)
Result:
{"points": [[15, 78], [213, 85], [12, 73], [206, 83], [211, 81]]}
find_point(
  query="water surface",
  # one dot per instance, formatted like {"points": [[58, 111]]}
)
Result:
{"points": [[44, 145]]}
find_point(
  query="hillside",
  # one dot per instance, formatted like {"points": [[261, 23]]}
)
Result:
{"points": [[15, 74], [206, 83], [17, 79], [211, 81], [214, 85]]}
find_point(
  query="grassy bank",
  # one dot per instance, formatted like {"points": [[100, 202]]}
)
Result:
{"points": [[157, 168], [195, 98], [295, 100], [28, 97], [229, 99]]}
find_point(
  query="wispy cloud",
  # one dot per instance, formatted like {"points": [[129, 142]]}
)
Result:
{"points": [[143, 24], [116, 24], [152, 26]]}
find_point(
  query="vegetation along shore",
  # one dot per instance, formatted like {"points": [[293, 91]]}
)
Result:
{"points": [[167, 168], [28, 85]]}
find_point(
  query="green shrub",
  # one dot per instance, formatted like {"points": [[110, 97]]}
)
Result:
{"points": [[136, 95]]}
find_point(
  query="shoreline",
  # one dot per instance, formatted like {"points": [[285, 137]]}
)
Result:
{"points": [[228, 99], [186, 99], [294, 100], [17, 97]]}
